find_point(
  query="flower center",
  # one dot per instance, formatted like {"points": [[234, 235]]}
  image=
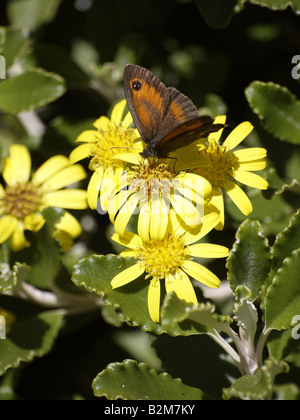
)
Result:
{"points": [[162, 257], [153, 178], [110, 142], [21, 200], [223, 167]]}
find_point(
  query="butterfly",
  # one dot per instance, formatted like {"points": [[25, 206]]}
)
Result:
{"points": [[165, 118]]}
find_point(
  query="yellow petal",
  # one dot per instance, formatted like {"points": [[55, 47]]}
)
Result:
{"points": [[81, 152], [127, 276], [125, 214], [17, 166], [217, 201], [18, 240], [7, 226], [208, 251], [134, 158], [182, 286], [144, 221], [201, 274], [191, 214], [238, 135], [67, 199], [88, 136], [51, 167], [34, 222], [239, 197], [251, 153], [254, 165], [107, 187], [94, 189], [154, 300], [127, 121], [215, 137], [102, 124], [2, 191], [70, 225], [118, 111], [193, 187], [65, 177], [250, 179], [129, 239], [159, 219]]}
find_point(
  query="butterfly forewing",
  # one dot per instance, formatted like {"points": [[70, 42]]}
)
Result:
{"points": [[147, 99]]}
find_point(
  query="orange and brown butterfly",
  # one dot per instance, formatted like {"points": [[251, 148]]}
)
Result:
{"points": [[165, 118]]}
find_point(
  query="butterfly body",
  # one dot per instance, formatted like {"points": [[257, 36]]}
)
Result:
{"points": [[165, 118]]}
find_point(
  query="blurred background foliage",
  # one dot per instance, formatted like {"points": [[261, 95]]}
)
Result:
{"points": [[209, 50]]}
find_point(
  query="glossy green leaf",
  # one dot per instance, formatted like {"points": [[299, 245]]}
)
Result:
{"points": [[30, 338], [245, 314], [10, 277], [218, 13], [283, 295], [178, 311], [130, 380], [130, 302], [14, 44], [249, 261], [286, 242], [32, 13], [277, 108], [44, 254], [279, 4], [255, 387], [30, 90], [281, 344]]}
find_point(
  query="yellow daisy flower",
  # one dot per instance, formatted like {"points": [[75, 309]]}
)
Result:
{"points": [[151, 189], [170, 259], [22, 199], [227, 165], [101, 145]]}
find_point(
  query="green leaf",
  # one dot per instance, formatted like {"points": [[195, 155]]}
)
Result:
{"points": [[258, 386], [44, 254], [286, 242], [279, 4], [277, 108], [14, 44], [249, 261], [283, 295], [130, 302], [30, 90], [281, 344], [130, 380], [32, 13], [10, 277], [178, 311], [245, 314], [218, 13], [30, 338]]}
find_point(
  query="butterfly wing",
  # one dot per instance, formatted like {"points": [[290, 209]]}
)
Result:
{"points": [[147, 98], [186, 133], [165, 118]]}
